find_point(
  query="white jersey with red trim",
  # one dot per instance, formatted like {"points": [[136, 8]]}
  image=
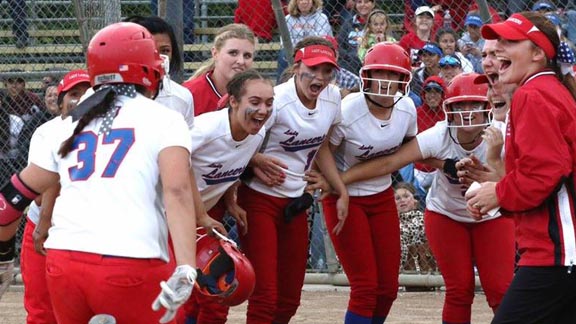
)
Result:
{"points": [[217, 159], [446, 195], [295, 133], [361, 137], [109, 202], [177, 98]]}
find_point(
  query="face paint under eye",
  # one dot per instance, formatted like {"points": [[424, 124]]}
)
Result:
{"points": [[307, 75], [249, 112]]}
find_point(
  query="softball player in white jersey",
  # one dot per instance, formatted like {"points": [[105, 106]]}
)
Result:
{"points": [[172, 94], [108, 247], [375, 122], [37, 300], [457, 240], [305, 109], [223, 142]]}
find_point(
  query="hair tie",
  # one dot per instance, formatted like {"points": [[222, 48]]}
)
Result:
{"points": [[223, 102], [566, 58]]}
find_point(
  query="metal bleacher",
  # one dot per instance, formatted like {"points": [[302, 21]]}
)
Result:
{"points": [[55, 45]]}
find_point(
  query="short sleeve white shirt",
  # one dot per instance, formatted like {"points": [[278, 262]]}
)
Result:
{"points": [[361, 137], [217, 159], [109, 202], [295, 133]]}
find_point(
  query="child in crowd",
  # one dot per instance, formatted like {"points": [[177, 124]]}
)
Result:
{"points": [[376, 31]]}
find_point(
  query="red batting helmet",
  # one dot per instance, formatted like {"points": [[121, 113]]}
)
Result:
{"points": [[463, 88], [124, 53], [226, 274], [390, 57]]}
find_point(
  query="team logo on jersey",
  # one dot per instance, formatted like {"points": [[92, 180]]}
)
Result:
{"points": [[292, 144], [368, 154], [217, 176]]}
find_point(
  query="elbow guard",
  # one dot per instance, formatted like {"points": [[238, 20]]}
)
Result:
{"points": [[15, 196]]}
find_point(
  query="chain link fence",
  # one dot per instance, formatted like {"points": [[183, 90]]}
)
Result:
{"points": [[42, 40]]}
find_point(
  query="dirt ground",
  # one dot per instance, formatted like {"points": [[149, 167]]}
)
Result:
{"points": [[320, 305]]}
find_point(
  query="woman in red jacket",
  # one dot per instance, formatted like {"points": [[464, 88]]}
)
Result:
{"points": [[538, 188]]}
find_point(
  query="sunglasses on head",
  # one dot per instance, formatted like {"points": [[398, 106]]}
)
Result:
{"points": [[449, 61]]}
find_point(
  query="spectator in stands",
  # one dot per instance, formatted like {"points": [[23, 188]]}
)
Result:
{"points": [[305, 18], [51, 99], [347, 81], [471, 42], [187, 16], [446, 38], [543, 6], [232, 52], [376, 31], [338, 11], [416, 254], [17, 100], [415, 40], [450, 66], [258, 15], [429, 114], [49, 79], [410, 7], [430, 55], [350, 36], [19, 17]]}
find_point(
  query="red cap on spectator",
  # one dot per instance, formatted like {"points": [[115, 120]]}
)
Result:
{"points": [[315, 55], [73, 78]]}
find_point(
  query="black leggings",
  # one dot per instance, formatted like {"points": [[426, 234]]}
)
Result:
{"points": [[539, 295]]}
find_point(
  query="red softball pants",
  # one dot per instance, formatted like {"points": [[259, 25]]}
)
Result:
{"points": [[37, 300], [278, 251], [369, 249], [84, 284], [457, 247]]}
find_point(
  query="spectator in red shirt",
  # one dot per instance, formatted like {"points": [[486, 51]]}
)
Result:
{"points": [[415, 40]]}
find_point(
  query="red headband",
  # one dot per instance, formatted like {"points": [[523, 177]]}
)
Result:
{"points": [[316, 54], [517, 27]]}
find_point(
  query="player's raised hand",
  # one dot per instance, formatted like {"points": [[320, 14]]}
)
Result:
{"points": [[175, 291]]}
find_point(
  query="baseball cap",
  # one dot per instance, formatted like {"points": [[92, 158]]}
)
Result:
{"points": [[473, 20], [543, 5], [518, 27], [433, 85], [73, 78], [424, 9], [315, 55], [431, 48], [553, 17], [450, 60]]}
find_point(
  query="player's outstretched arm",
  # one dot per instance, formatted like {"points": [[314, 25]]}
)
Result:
{"points": [[409, 152], [180, 213]]}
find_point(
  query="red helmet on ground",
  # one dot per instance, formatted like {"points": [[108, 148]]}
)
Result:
{"points": [[389, 57], [124, 53], [226, 274], [463, 88]]}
